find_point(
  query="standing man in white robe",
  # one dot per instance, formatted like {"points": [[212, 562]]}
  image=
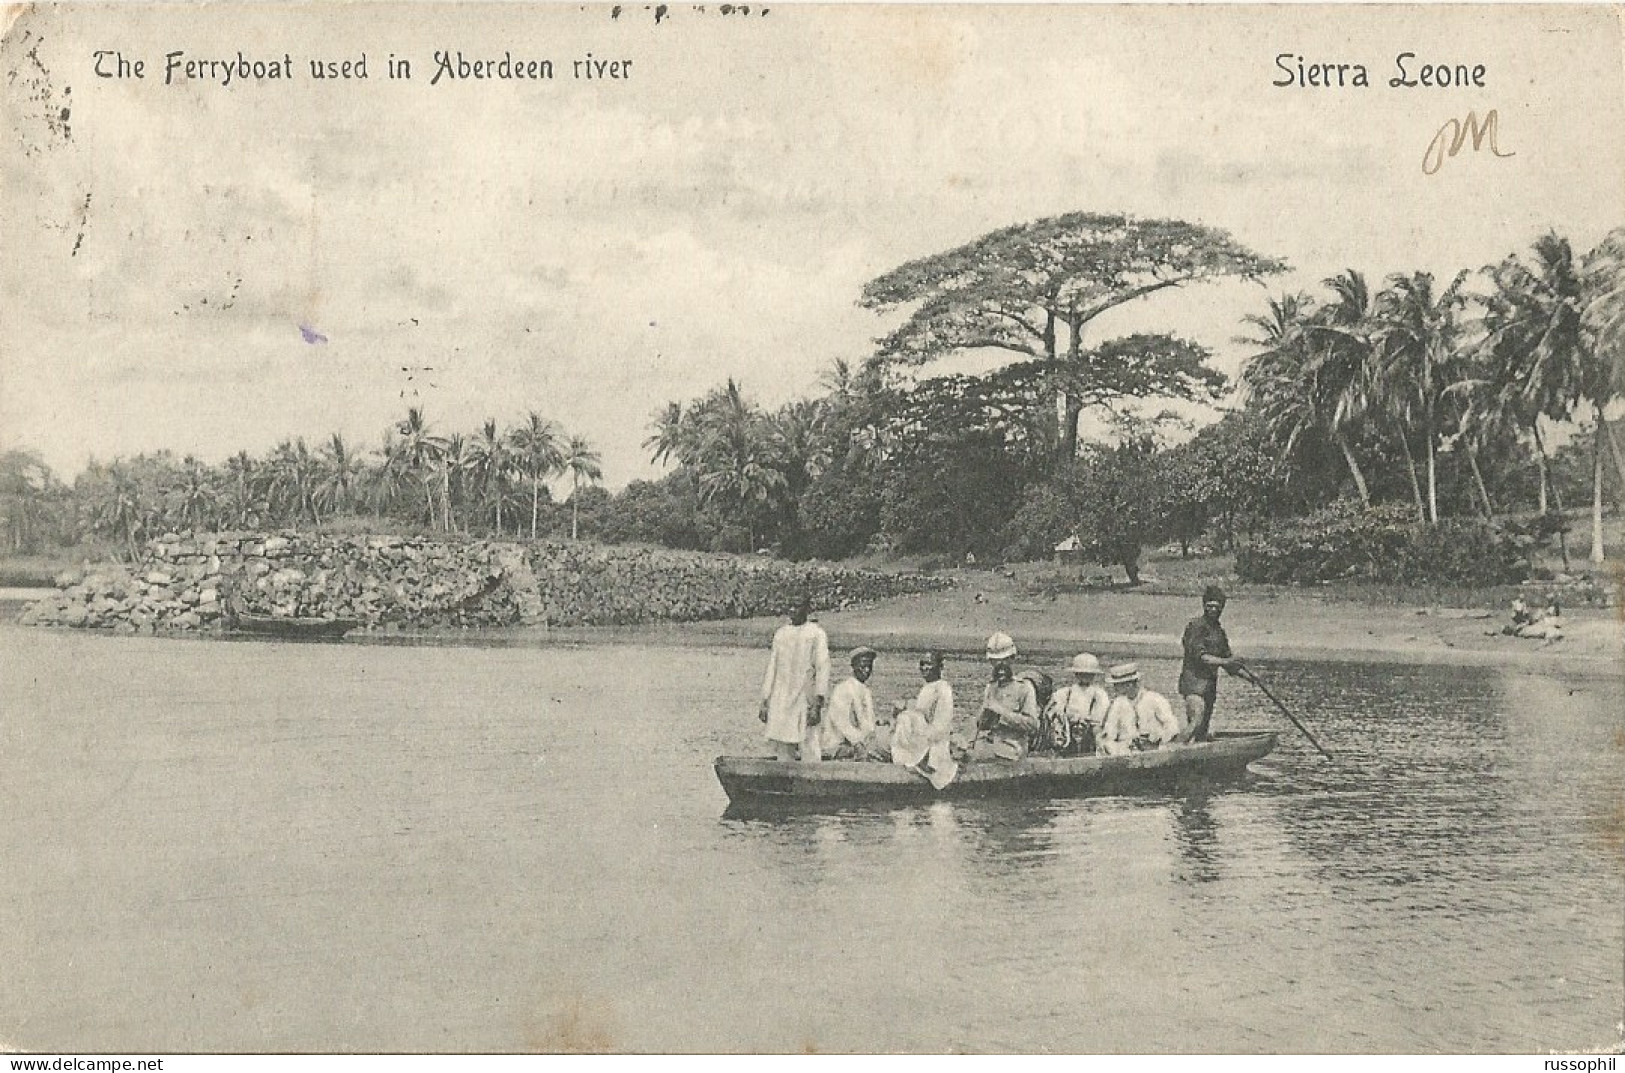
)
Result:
{"points": [[796, 686]]}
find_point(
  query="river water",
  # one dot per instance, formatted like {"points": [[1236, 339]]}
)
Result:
{"points": [[215, 846]]}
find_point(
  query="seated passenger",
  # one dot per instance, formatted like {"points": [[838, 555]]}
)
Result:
{"points": [[920, 740], [1010, 713], [849, 721], [1076, 713], [1138, 717], [1546, 626]]}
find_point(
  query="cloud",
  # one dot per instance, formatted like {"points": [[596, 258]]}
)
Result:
{"points": [[592, 252]]}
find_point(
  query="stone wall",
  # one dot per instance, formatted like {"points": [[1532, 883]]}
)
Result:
{"points": [[184, 582]]}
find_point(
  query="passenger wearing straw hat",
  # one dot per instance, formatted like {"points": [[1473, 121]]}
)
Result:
{"points": [[849, 721], [1138, 717], [1076, 713], [1010, 715]]}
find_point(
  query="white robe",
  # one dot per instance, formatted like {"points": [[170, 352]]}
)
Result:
{"points": [[923, 732], [1148, 715], [850, 716], [797, 671], [1081, 704]]}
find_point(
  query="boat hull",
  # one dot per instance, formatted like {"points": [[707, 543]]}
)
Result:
{"points": [[757, 780], [293, 629]]}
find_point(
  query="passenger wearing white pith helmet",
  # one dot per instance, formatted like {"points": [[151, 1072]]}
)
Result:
{"points": [[1010, 714]]}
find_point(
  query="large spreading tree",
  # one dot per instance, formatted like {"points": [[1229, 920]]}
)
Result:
{"points": [[1033, 289]]}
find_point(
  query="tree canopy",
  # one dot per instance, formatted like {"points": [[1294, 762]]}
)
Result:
{"points": [[1031, 289]]}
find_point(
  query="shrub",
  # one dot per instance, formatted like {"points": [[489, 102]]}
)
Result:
{"points": [[840, 515], [1384, 544], [1115, 501]]}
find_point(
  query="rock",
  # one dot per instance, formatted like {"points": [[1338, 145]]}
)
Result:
{"points": [[464, 584], [75, 615]]}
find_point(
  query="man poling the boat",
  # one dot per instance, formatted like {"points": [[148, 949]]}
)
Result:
{"points": [[1207, 651], [796, 685], [1010, 713]]}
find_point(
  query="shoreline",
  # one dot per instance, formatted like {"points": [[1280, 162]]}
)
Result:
{"points": [[1113, 624], [903, 624]]}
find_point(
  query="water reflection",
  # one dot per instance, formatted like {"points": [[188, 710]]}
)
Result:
{"points": [[504, 820], [997, 841], [1414, 791], [1196, 835]]}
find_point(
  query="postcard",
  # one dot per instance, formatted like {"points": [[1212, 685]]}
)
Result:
{"points": [[754, 527]]}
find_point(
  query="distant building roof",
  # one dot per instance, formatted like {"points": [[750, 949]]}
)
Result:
{"points": [[1071, 543]]}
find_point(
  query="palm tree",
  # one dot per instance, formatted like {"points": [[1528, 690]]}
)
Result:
{"points": [[838, 380], [1419, 332], [194, 493], [492, 462], [391, 483], [340, 475], [580, 461], [736, 462], [116, 502], [1486, 415], [453, 464], [669, 437], [1604, 281], [1603, 316], [746, 482], [243, 478], [1344, 367], [537, 444], [1279, 379], [417, 452], [800, 443], [294, 472], [1534, 343]]}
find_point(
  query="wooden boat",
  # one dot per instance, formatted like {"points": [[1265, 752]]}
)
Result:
{"points": [[758, 780], [289, 628]]}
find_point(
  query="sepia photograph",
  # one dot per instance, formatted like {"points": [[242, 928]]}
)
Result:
{"points": [[732, 528]]}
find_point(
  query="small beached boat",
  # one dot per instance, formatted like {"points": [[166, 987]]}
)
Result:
{"points": [[290, 628], [758, 780]]}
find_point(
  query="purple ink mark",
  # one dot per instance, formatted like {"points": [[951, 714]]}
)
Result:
{"points": [[311, 335]]}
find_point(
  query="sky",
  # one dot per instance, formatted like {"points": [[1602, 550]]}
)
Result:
{"points": [[208, 268]]}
